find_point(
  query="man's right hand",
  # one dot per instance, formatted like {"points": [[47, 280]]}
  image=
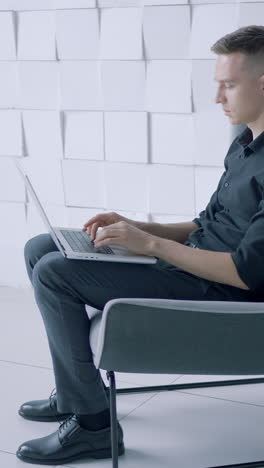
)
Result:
{"points": [[105, 219]]}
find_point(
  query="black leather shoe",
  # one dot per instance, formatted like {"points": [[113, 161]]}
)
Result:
{"points": [[70, 442], [45, 410], [42, 410]]}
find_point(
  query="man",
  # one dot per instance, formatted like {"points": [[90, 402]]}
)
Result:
{"points": [[217, 256]]}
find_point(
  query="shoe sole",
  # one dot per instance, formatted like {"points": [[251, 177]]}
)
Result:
{"points": [[104, 453], [55, 418]]}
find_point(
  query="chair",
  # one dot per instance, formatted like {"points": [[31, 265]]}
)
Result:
{"points": [[195, 337]]}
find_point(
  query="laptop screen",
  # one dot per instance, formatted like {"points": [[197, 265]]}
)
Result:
{"points": [[38, 204]]}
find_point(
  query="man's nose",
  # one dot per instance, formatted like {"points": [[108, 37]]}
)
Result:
{"points": [[219, 97]]}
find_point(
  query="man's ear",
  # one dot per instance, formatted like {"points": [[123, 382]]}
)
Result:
{"points": [[262, 82]]}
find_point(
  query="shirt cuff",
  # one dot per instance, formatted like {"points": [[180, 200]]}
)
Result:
{"points": [[242, 272], [197, 221]]}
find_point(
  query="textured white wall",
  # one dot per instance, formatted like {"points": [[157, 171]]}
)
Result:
{"points": [[110, 104]]}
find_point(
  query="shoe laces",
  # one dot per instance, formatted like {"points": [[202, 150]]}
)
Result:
{"points": [[67, 422], [52, 395]]}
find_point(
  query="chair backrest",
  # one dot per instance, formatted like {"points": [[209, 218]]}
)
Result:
{"points": [[187, 337]]}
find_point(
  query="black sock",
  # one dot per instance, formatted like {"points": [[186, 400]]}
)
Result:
{"points": [[95, 422]]}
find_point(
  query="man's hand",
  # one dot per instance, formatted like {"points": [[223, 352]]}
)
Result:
{"points": [[125, 235], [105, 219]]}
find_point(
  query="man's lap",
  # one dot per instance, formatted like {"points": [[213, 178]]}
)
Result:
{"points": [[96, 282]]}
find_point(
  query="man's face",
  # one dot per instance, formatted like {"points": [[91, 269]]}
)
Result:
{"points": [[239, 91]]}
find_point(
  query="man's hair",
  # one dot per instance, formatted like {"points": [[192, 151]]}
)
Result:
{"points": [[249, 40]]}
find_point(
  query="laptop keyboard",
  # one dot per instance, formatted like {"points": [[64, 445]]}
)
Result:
{"points": [[80, 242]]}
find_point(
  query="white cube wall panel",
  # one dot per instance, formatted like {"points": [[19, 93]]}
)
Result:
{"points": [[169, 86], [11, 184], [171, 189], [77, 34], [21, 5], [8, 85], [80, 85], [209, 23], [251, 14], [36, 35], [126, 136], [12, 266], [84, 136], [210, 127], [166, 32], [43, 134], [46, 179], [204, 86], [123, 85], [11, 133], [84, 183], [38, 85], [172, 139], [206, 182], [121, 33], [7, 36], [126, 187]]}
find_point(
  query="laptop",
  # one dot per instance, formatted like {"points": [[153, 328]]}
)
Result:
{"points": [[76, 244]]}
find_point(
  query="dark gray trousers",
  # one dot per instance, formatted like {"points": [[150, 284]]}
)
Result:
{"points": [[62, 287]]}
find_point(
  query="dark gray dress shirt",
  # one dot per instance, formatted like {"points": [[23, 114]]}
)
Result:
{"points": [[233, 220]]}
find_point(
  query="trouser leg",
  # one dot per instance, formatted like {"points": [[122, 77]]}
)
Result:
{"points": [[69, 399], [35, 249]]}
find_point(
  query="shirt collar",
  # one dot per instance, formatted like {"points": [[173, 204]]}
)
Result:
{"points": [[247, 142]]}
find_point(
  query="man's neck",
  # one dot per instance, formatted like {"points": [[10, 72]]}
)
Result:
{"points": [[257, 128]]}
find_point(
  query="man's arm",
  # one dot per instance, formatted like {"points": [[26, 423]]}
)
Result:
{"points": [[213, 266], [178, 232]]}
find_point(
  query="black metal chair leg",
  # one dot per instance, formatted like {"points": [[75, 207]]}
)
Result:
{"points": [[114, 429]]}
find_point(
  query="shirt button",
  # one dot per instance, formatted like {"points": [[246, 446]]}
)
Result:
{"points": [[226, 184]]}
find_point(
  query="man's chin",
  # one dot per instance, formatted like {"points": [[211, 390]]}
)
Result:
{"points": [[234, 119], [237, 121]]}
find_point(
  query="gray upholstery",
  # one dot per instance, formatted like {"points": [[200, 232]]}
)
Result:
{"points": [[179, 336]]}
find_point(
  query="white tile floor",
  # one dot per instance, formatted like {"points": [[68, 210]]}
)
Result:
{"points": [[191, 428]]}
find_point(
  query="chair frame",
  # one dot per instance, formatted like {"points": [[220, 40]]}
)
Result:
{"points": [[113, 412]]}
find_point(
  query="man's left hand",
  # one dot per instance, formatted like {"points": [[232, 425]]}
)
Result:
{"points": [[126, 235]]}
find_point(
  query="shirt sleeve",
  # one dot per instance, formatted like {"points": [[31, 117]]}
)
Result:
{"points": [[249, 255], [213, 205]]}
